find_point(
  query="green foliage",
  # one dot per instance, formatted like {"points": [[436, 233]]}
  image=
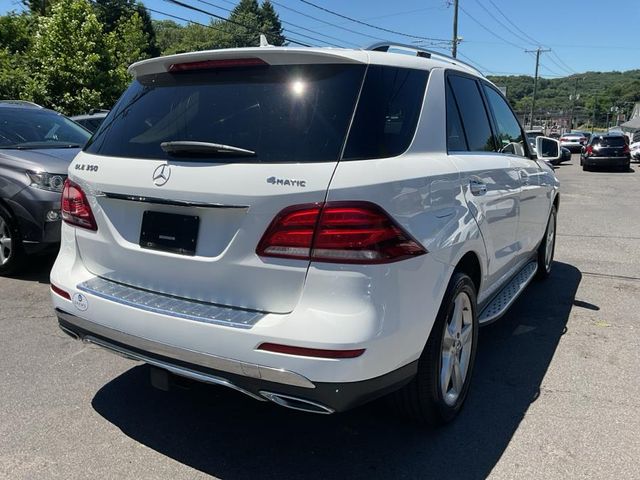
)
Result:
{"points": [[597, 90], [16, 32], [111, 13], [75, 65], [247, 21], [69, 59]]}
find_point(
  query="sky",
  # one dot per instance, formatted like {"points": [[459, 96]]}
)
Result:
{"points": [[583, 35]]}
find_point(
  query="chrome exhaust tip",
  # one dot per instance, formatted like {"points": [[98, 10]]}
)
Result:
{"points": [[297, 403]]}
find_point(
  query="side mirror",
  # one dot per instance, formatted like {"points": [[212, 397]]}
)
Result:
{"points": [[548, 149]]}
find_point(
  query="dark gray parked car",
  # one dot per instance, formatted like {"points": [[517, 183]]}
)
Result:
{"points": [[36, 147], [92, 120]]}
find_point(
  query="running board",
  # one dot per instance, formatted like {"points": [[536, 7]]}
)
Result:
{"points": [[511, 291]]}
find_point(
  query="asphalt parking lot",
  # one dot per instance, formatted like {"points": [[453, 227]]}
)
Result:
{"points": [[555, 394]]}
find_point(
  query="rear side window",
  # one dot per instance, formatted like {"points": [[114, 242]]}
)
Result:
{"points": [[387, 114], [473, 113], [509, 133], [283, 113], [456, 140]]}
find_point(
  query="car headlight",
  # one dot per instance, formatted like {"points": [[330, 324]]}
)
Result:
{"points": [[47, 181]]}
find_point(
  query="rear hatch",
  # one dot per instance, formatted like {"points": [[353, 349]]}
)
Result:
{"points": [[184, 218], [608, 147]]}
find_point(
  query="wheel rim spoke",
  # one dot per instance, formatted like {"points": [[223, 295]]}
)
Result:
{"points": [[457, 377], [445, 372], [5, 242], [457, 343]]}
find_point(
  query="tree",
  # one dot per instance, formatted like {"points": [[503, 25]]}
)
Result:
{"points": [[76, 66], [111, 13], [126, 44], [38, 7], [16, 32], [271, 25], [151, 49], [13, 74], [69, 59]]}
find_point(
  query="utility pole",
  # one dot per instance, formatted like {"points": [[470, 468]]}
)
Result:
{"points": [[538, 51], [595, 106], [454, 46], [574, 97]]}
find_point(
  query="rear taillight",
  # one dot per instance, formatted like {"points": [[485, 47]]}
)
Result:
{"points": [[338, 232], [61, 292], [75, 207], [564, 139], [626, 149], [217, 64], [310, 352], [589, 150]]}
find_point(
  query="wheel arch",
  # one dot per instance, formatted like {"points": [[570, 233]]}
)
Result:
{"points": [[470, 264]]}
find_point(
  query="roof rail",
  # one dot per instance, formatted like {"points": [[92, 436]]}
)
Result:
{"points": [[24, 103], [422, 52]]}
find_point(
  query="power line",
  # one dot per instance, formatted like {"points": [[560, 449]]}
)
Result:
{"points": [[505, 26], [325, 22], [293, 25], [491, 31], [395, 32], [535, 42], [234, 22], [176, 17]]}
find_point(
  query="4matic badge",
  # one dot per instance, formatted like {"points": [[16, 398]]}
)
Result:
{"points": [[287, 182]]}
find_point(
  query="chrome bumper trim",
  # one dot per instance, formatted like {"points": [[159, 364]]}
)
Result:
{"points": [[170, 305], [181, 371], [268, 374]]}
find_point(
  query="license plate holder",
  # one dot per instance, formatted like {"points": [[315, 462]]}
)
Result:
{"points": [[169, 232]]}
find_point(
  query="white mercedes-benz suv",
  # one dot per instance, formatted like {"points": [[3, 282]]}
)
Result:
{"points": [[309, 226]]}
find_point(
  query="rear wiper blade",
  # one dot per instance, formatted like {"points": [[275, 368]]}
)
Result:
{"points": [[186, 147]]}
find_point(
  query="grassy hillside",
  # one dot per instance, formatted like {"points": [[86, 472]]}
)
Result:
{"points": [[602, 89]]}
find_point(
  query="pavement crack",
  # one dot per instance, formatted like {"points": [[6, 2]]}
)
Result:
{"points": [[610, 275]]}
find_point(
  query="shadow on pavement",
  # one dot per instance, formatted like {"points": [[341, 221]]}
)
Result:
{"points": [[227, 435], [36, 268]]}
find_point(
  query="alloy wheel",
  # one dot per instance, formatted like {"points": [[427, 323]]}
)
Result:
{"points": [[457, 343], [550, 243], [5, 242]]}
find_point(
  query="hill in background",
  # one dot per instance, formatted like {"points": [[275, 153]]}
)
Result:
{"points": [[602, 90]]}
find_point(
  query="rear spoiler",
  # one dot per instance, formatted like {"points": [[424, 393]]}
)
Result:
{"points": [[270, 55]]}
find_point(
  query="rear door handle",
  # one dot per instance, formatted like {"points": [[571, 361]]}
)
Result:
{"points": [[477, 187]]}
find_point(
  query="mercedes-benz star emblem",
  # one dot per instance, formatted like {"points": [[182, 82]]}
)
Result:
{"points": [[161, 175]]}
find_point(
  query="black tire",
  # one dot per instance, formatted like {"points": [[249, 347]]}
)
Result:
{"points": [[544, 267], [12, 258], [585, 168], [423, 399]]}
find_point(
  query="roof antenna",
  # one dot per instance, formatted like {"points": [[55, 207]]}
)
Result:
{"points": [[263, 41]]}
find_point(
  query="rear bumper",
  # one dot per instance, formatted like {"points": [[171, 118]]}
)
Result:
{"points": [[257, 381], [606, 161], [572, 147]]}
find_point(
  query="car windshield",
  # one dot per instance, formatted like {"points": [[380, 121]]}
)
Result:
{"points": [[34, 128]]}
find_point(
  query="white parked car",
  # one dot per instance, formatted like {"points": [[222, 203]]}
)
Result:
{"points": [[573, 141], [312, 227], [635, 150]]}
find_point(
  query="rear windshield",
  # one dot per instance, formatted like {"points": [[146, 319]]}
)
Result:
{"points": [[283, 113], [609, 141], [27, 128]]}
